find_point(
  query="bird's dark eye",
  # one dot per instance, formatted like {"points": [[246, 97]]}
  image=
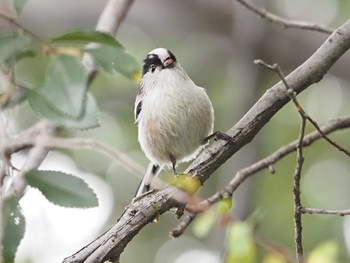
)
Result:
{"points": [[152, 67]]}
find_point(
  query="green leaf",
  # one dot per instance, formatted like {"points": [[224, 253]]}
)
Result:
{"points": [[224, 205], [204, 223], [29, 76], [185, 182], [87, 120], [18, 5], [14, 227], [84, 37], [240, 246], [65, 85], [13, 48], [274, 257], [113, 59], [63, 189]]}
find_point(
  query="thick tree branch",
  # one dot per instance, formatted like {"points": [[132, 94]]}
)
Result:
{"points": [[275, 19], [311, 71]]}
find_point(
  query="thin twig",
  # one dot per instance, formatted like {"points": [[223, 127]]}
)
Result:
{"points": [[299, 108], [306, 210], [298, 229], [180, 228], [275, 19], [36, 154], [14, 22], [86, 143], [271, 246], [243, 174], [297, 193]]}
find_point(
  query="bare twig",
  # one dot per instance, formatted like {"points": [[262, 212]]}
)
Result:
{"points": [[296, 192], [86, 143], [12, 20], [306, 210], [299, 108], [266, 163], [36, 155], [271, 246], [275, 19], [298, 230], [180, 228]]}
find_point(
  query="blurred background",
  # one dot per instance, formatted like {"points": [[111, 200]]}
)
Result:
{"points": [[216, 43]]}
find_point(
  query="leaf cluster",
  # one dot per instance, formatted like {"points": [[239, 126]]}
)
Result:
{"points": [[52, 77]]}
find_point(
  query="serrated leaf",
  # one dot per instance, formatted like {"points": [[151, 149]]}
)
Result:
{"points": [[14, 47], [18, 5], [14, 227], [63, 189], [240, 246], [113, 59], [87, 120], [85, 37], [65, 85]]}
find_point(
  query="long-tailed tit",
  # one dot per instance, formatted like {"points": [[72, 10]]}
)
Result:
{"points": [[174, 115]]}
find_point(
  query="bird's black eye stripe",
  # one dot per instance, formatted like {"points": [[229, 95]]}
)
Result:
{"points": [[171, 55], [150, 60]]}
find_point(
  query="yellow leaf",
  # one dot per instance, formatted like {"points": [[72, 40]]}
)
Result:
{"points": [[326, 252], [224, 205], [274, 258], [135, 76], [185, 182]]}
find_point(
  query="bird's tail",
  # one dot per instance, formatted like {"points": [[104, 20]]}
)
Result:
{"points": [[151, 172]]}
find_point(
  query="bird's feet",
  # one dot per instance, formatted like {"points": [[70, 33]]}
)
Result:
{"points": [[218, 135]]}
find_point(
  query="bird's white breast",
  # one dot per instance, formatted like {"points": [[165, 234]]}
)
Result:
{"points": [[176, 116]]}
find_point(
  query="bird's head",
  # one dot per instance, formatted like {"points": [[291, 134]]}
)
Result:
{"points": [[157, 60]]}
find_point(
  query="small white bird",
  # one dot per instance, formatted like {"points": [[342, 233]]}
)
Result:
{"points": [[175, 117]]}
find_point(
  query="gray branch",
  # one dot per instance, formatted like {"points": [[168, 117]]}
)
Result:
{"points": [[144, 210]]}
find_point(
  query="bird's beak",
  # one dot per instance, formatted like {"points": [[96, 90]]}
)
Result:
{"points": [[168, 63]]}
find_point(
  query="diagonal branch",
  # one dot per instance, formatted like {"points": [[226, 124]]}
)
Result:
{"points": [[311, 71], [266, 163]]}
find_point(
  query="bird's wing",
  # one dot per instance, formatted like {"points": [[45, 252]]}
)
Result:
{"points": [[138, 107]]}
